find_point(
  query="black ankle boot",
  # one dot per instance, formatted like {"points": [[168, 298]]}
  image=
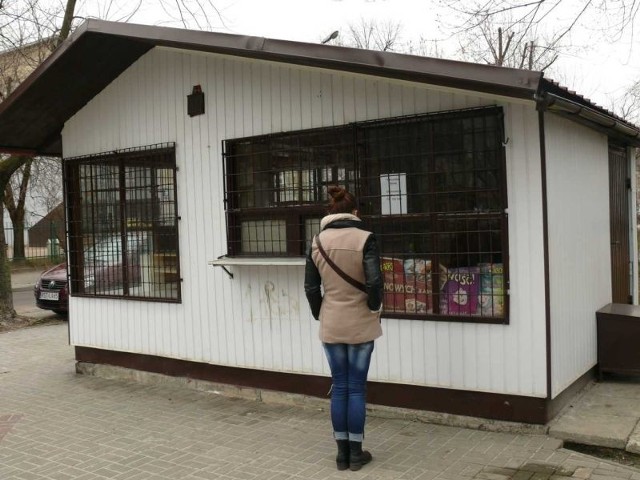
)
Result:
{"points": [[357, 456], [342, 459]]}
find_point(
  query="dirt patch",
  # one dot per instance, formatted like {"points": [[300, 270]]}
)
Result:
{"points": [[610, 454], [26, 322]]}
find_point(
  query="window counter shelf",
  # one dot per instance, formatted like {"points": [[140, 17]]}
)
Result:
{"points": [[256, 262]]}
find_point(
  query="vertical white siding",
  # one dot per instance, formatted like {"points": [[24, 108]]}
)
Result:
{"points": [[260, 318], [579, 245]]}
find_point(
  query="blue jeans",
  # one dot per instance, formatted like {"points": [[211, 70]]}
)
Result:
{"points": [[349, 368]]}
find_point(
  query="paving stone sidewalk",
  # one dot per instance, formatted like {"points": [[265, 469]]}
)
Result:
{"points": [[55, 424]]}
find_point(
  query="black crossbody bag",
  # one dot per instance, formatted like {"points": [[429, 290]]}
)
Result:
{"points": [[347, 278]]}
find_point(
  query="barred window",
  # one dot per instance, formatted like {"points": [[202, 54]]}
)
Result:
{"points": [[432, 187], [123, 231], [277, 188]]}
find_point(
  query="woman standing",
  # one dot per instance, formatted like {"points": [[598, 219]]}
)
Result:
{"points": [[344, 258]]}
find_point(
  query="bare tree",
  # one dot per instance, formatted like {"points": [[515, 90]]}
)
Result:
{"points": [[530, 33], [35, 187], [15, 196], [423, 47], [29, 24], [627, 105], [45, 196], [45, 192], [198, 14], [371, 35], [512, 34], [614, 16], [509, 46]]}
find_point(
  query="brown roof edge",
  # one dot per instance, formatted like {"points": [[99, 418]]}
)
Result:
{"points": [[457, 74], [590, 115], [130, 41], [50, 60]]}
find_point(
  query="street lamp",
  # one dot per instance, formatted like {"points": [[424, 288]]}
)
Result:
{"points": [[333, 36]]}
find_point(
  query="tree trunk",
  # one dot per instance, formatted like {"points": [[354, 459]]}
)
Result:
{"points": [[66, 22], [16, 210], [18, 240], [7, 313]]}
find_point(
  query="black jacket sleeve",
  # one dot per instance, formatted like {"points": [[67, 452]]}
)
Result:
{"points": [[372, 274], [312, 282]]}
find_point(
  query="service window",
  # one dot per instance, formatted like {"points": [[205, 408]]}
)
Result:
{"points": [[276, 188], [432, 187], [123, 234]]}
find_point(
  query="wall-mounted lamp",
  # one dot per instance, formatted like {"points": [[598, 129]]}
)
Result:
{"points": [[195, 101]]}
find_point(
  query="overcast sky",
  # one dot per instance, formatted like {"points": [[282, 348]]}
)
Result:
{"points": [[600, 71]]}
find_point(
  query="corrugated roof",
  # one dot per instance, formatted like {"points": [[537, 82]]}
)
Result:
{"points": [[32, 118]]}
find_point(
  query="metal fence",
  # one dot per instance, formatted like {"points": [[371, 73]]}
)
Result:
{"points": [[41, 242]]}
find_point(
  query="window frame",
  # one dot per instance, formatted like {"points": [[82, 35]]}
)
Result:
{"points": [[156, 157], [296, 211], [296, 214]]}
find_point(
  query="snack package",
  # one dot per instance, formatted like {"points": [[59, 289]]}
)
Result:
{"points": [[459, 294], [394, 283], [491, 294], [418, 286]]}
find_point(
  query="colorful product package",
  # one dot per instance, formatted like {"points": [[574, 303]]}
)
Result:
{"points": [[491, 289], [393, 278], [459, 294], [418, 286]]}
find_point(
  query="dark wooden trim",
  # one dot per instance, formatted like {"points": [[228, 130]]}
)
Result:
{"points": [[303, 384], [440, 317], [515, 408], [545, 241]]}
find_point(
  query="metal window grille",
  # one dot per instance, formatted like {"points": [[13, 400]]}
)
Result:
{"points": [[123, 224], [432, 187], [276, 188]]}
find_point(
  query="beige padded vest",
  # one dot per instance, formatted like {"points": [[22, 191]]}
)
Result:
{"points": [[344, 315]]}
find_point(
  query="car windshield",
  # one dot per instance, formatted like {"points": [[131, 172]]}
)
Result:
{"points": [[104, 252], [109, 251]]}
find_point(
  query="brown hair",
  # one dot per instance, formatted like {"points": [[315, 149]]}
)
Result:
{"points": [[341, 200]]}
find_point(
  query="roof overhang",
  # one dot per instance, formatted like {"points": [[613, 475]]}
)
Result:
{"points": [[32, 118], [575, 108]]}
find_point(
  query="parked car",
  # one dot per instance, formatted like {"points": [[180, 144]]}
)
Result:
{"points": [[103, 272], [103, 267], [52, 290]]}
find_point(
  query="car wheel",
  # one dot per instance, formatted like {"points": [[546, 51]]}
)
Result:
{"points": [[61, 312]]}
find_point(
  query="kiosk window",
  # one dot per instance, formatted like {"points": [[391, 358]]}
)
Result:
{"points": [[123, 235], [432, 187]]}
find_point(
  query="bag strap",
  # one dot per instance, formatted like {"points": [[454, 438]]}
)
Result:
{"points": [[352, 281]]}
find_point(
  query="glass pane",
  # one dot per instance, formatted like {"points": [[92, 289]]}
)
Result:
{"points": [[264, 236], [165, 184], [124, 229], [311, 228], [408, 285], [291, 171], [432, 190]]}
